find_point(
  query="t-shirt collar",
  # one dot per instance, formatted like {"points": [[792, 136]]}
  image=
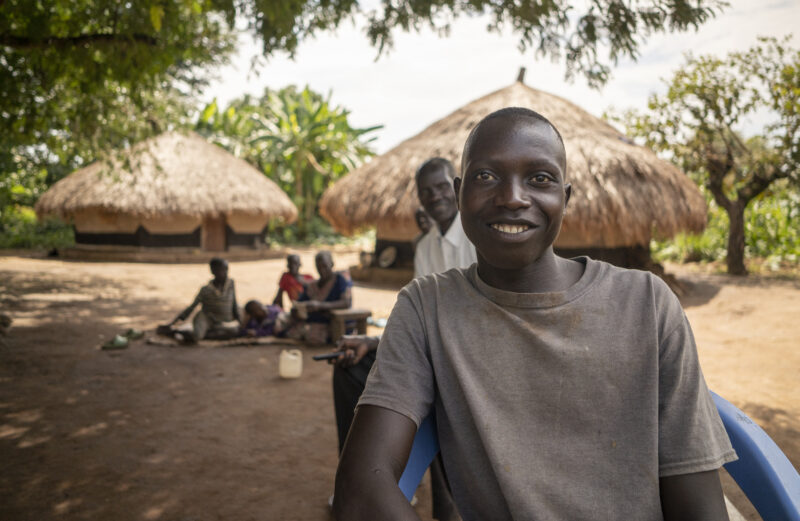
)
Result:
{"points": [[538, 300]]}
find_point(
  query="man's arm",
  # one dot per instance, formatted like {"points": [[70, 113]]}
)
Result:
{"points": [[372, 461], [344, 302], [278, 300], [188, 311], [696, 496]]}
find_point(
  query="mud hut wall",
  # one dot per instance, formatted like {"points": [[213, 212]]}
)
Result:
{"points": [[99, 221], [246, 223], [171, 224]]}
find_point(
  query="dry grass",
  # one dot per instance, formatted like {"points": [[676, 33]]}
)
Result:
{"points": [[171, 174]]}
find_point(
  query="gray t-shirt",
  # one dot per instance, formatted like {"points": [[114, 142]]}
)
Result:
{"points": [[552, 406]]}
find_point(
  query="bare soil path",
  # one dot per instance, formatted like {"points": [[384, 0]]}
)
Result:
{"points": [[196, 434]]}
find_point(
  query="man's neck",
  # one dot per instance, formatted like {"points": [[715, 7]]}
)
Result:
{"points": [[445, 225], [547, 274]]}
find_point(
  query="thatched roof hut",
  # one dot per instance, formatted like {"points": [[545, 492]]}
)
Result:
{"points": [[622, 194], [174, 190]]}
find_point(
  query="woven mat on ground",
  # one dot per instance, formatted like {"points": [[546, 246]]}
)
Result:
{"points": [[233, 342]]}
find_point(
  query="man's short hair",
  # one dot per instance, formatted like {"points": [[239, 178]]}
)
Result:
{"points": [[435, 164], [217, 262], [512, 113]]}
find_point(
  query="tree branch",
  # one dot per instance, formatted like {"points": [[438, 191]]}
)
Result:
{"points": [[24, 42]]}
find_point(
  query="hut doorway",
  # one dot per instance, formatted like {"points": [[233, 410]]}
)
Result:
{"points": [[214, 233]]}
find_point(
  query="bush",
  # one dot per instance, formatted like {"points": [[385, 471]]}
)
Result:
{"points": [[19, 228], [319, 233]]}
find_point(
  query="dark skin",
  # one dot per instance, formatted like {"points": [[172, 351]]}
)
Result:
{"points": [[436, 195], [424, 222], [293, 267], [254, 310], [354, 348], [512, 199], [324, 264], [220, 272]]}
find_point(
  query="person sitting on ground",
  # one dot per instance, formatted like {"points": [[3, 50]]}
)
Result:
{"points": [[218, 317], [562, 388], [260, 320], [424, 223], [292, 282], [330, 291]]}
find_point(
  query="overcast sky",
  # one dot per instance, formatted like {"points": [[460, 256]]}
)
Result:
{"points": [[425, 77]]}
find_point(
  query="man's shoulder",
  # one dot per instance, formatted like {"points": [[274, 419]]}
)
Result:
{"points": [[455, 279], [630, 283]]}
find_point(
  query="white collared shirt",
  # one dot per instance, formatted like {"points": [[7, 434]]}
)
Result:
{"points": [[437, 253]]}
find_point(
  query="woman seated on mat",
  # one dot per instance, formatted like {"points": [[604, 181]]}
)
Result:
{"points": [[311, 311]]}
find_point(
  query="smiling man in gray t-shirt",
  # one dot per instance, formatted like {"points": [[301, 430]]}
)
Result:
{"points": [[563, 389]]}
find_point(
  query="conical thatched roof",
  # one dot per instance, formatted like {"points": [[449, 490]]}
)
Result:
{"points": [[170, 174], [622, 194]]}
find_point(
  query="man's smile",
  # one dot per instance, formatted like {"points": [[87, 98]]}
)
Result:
{"points": [[510, 228]]}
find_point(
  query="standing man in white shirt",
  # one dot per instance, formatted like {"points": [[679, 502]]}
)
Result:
{"points": [[445, 246]]}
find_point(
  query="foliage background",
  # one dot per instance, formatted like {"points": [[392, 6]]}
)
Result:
{"points": [[772, 225]]}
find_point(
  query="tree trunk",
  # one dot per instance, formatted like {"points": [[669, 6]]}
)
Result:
{"points": [[298, 183], [735, 257]]}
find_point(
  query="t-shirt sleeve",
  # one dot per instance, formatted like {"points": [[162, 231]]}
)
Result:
{"points": [[401, 378], [691, 436]]}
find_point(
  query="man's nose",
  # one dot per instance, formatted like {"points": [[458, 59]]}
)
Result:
{"points": [[511, 194], [437, 193]]}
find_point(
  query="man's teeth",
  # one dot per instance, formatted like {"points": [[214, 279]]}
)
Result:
{"points": [[510, 228]]}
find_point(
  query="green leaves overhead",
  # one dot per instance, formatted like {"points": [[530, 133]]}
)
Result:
{"points": [[78, 77]]}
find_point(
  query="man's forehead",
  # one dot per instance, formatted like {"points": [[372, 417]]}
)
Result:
{"points": [[489, 130], [434, 175]]}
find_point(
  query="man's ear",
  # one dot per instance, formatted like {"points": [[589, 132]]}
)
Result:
{"points": [[457, 188], [568, 193]]}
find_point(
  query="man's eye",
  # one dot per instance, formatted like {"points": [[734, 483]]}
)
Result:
{"points": [[484, 176], [541, 179]]}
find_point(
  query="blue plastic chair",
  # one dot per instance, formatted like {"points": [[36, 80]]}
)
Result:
{"points": [[762, 471]]}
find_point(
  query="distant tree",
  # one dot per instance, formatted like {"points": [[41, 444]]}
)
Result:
{"points": [[698, 124], [297, 138]]}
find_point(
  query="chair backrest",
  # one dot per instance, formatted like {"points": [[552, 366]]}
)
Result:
{"points": [[424, 449], [762, 471]]}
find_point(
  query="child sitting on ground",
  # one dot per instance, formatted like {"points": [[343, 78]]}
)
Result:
{"points": [[292, 282], [260, 320], [218, 317], [562, 388]]}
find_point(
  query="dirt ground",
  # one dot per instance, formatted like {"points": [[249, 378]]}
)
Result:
{"points": [[195, 434]]}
